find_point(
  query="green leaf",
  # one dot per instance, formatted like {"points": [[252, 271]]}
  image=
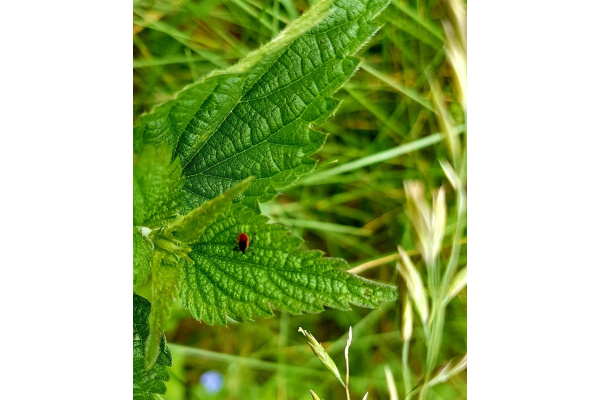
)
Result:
{"points": [[256, 118], [174, 238], [166, 281], [147, 381], [189, 228], [273, 273], [157, 184], [142, 258], [157, 196]]}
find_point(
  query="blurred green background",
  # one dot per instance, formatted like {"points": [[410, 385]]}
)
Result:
{"points": [[404, 93]]}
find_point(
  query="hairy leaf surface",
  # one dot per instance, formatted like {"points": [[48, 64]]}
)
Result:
{"points": [[157, 184], [273, 273], [256, 118], [166, 280], [142, 258], [147, 381], [157, 196], [190, 227]]}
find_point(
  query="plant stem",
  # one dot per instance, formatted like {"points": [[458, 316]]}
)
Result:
{"points": [[347, 387], [461, 199]]}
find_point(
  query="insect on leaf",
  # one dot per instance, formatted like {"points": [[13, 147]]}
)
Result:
{"points": [[275, 273]]}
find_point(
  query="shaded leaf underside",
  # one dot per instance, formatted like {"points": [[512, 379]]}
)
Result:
{"points": [[142, 258], [166, 281], [147, 381]]}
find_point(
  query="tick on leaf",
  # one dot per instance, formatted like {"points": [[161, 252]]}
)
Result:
{"points": [[243, 242]]}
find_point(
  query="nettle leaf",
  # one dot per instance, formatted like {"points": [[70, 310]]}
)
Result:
{"points": [[257, 117], [157, 184], [147, 381], [272, 273]]}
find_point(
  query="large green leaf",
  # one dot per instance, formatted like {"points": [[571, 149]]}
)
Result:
{"points": [[147, 381], [273, 273], [256, 118]]}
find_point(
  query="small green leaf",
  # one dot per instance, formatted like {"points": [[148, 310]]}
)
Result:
{"points": [[147, 381], [142, 258], [166, 281], [157, 184], [273, 273], [256, 118]]}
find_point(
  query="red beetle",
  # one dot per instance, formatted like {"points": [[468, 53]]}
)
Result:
{"points": [[243, 242]]}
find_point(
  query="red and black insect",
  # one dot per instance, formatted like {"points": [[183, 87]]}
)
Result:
{"points": [[243, 242]]}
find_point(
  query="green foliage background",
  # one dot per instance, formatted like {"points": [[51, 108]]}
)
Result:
{"points": [[358, 215]]}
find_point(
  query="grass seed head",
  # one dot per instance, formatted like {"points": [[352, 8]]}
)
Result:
{"points": [[322, 354], [428, 224], [458, 284], [414, 284]]}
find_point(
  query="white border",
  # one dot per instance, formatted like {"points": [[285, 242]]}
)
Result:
{"points": [[66, 199]]}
